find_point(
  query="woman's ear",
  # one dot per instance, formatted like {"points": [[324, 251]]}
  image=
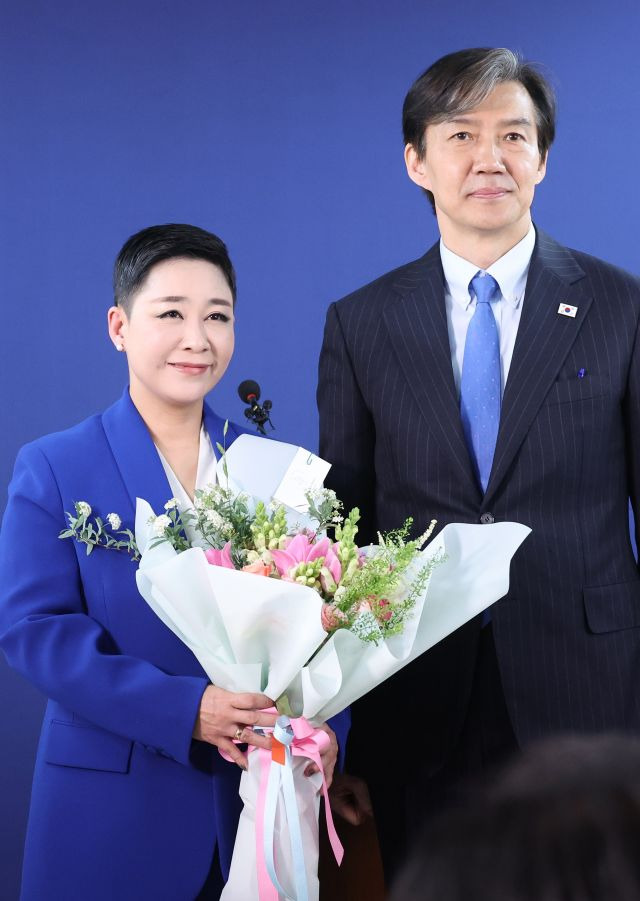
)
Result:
{"points": [[117, 325]]}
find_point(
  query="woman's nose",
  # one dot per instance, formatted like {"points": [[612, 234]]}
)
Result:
{"points": [[194, 335]]}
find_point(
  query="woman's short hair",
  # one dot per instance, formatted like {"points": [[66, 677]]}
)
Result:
{"points": [[142, 251]]}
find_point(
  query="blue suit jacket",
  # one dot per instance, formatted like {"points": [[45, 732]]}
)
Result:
{"points": [[125, 804]]}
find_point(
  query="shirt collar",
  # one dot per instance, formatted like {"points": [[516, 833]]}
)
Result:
{"points": [[510, 271]]}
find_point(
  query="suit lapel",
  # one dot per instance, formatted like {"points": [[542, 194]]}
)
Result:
{"points": [[417, 326], [543, 341], [135, 454]]}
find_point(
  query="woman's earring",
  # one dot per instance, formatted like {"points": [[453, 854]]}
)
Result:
{"points": [[119, 346]]}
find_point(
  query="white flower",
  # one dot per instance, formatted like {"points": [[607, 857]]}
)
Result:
{"points": [[214, 519], [339, 593], [83, 508], [160, 524], [114, 521], [171, 504]]}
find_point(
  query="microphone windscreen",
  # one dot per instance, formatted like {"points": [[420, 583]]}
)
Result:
{"points": [[248, 388]]}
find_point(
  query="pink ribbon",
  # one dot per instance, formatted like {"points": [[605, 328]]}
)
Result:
{"points": [[307, 742]]}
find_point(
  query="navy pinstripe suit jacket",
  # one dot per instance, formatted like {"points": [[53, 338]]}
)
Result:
{"points": [[567, 460]]}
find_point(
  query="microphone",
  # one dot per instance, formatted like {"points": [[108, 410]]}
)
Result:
{"points": [[258, 414]]}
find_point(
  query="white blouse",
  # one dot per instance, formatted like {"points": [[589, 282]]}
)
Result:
{"points": [[205, 475]]}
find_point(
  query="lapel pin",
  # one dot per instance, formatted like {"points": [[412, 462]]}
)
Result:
{"points": [[582, 373], [565, 309]]}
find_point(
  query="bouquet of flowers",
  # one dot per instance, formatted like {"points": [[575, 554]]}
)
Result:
{"points": [[268, 601]]}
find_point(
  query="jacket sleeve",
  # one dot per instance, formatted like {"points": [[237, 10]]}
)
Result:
{"points": [[347, 431], [48, 636], [631, 408]]}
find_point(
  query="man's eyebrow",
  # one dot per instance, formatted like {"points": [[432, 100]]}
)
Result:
{"points": [[214, 301], [522, 120], [504, 123]]}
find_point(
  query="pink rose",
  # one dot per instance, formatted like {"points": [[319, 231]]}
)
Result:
{"points": [[331, 617], [258, 568]]}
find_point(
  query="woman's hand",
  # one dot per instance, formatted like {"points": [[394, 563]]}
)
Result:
{"points": [[225, 716], [328, 756]]}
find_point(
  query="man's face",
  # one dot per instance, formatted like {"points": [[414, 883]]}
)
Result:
{"points": [[482, 166]]}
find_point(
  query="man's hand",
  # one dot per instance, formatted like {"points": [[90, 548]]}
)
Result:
{"points": [[350, 799], [225, 716], [328, 756]]}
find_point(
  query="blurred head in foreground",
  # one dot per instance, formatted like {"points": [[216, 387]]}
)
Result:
{"points": [[562, 823]]}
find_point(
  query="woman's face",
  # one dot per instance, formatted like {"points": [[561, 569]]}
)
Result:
{"points": [[178, 336]]}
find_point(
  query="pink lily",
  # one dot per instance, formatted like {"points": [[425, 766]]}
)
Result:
{"points": [[220, 558], [301, 550]]}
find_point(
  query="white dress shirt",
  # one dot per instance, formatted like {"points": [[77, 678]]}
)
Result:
{"points": [[510, 272]]}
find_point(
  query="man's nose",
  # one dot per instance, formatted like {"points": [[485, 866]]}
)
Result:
{"points": [[488, 156]]}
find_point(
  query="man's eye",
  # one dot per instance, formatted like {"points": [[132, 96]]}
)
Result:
{"points": [[461, 135], [515, 136], [170, 314]]}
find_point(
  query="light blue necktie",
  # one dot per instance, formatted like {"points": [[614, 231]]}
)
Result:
{"points": [[480, 384]]}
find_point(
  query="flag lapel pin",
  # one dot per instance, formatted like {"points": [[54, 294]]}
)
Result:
{"points": [[565, 309]]}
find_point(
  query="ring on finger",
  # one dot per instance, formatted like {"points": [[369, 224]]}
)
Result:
{"points": [[238, 733]]}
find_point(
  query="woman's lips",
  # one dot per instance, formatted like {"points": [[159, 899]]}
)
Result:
{"points": [[191, 368]]}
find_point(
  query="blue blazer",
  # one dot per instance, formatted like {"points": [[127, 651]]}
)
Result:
{"points": [[125, 804]]}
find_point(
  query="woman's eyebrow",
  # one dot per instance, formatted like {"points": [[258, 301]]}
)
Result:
{"points": [[217, 301]]}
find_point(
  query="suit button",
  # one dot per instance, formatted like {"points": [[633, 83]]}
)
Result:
{"points": [[487, 518]]}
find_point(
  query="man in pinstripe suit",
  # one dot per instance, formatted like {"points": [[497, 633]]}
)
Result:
{"points": [[562, 649]]}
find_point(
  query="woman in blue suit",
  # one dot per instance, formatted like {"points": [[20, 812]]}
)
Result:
{"points": [[130, 799]]}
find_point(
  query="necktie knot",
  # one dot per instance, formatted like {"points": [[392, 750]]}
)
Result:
{"points": [[484, 286]]}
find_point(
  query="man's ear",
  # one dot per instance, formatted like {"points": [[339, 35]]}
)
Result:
{"points": [[417, 168], [117, 324], [542, 168]]}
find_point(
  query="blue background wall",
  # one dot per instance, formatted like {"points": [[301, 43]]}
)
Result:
{"points": [[276, 125]]}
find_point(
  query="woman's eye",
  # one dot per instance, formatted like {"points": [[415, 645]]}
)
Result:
{"points": [[461, 135], [170, 314], [218, 317], [514, 136]]}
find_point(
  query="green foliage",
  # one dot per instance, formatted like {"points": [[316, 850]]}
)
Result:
{"points": [[268, 531], [376, 600], [94, 532], [324, 507]]}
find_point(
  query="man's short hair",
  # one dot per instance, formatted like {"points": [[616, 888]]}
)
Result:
{"points": [[458, 82], [157, 243]]}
